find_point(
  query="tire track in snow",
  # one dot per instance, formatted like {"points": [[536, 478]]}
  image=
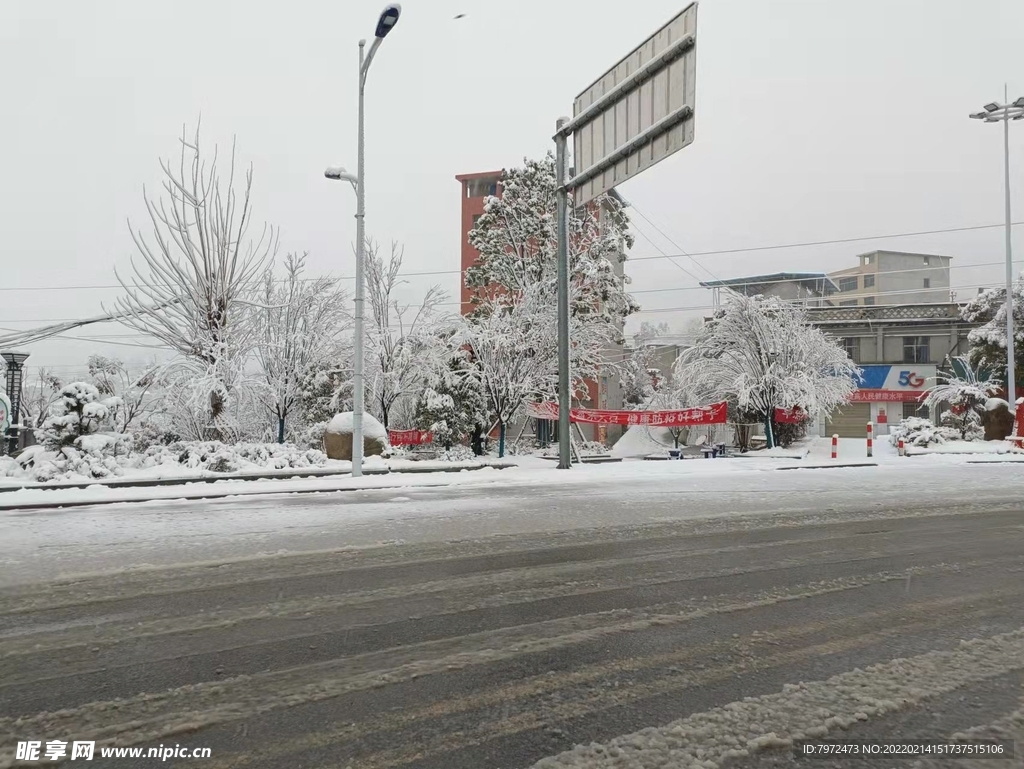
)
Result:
{"points": [[800, 711], [166, 581], [547, 699], [151, 717]]}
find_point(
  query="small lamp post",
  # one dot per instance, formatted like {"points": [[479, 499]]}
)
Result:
{"points": [[15, 368]]}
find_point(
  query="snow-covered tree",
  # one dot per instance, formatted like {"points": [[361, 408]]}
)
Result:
{"points": [[516, 238], [405, 341], [650, 331], [80, 411], [513, 352], [759, 353], [301, 323], [988, 341], [137, 392], [967, 392], [199, 273], [325, 389], [640, 377], [452, 402], [38, 397]]}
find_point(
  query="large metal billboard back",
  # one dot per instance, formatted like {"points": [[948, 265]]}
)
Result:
{"points": [[663, 97]]}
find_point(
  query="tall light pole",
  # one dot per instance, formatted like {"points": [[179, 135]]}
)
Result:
{"points": [[387, 21], [994, 112]]}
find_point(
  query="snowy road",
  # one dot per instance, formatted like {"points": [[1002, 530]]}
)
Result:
{"points": [[499, 624]]}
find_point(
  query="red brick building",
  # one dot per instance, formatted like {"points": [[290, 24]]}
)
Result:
{"points": [[475, 189]]}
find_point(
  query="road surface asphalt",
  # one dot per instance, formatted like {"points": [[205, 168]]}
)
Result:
{"points": [[502, 650]]}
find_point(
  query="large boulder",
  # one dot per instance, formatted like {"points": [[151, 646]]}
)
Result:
{"points": [[338, 437], [997, 420]]}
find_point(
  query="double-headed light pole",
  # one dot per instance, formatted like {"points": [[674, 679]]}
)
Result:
{"points": [[1004, 113], [386, 22]]}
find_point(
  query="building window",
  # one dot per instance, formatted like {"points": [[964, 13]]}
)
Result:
{"points": [[911, 409], [848, 303], [869, 281], [927, 282], [926, 261], [848, 284], [852, 346], [869, 300], [916, 349], [478, 188]]}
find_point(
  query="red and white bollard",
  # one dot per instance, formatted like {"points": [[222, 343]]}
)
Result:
{"points": [[900, 449], [835, 446], [871, 436]]}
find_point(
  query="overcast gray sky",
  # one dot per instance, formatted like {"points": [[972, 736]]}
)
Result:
{"points": [[816, 119]]}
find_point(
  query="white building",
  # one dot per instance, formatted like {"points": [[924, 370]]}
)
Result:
{"points": [[893, 277]]}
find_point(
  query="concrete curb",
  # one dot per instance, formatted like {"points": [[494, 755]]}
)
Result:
{"points": [[836, 466], [262, 491]]}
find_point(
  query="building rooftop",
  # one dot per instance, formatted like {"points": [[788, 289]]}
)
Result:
{"points": [[479, 175], [775, 277], [902, 253]]}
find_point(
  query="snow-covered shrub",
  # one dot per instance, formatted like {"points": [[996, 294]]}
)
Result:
{"points": [[587, 448], [456, 453], [79, 412], [917, 431], [221, 458], [313, 436], [788, 433], [967, 393], [97, 455]]}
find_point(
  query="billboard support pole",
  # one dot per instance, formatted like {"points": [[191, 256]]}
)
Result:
{"points": [[564, 400]]}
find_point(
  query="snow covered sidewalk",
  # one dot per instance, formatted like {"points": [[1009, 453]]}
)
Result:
{"points": [[517, 474]]}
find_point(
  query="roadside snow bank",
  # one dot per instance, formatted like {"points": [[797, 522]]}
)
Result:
{"points": [[965, 447]]}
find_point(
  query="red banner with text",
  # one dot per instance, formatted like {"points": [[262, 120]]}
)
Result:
{"points": [[409, 437], [793, 416], [715, 414]]}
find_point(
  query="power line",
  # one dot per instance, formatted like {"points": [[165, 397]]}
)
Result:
{"points": [[665, 290], [829, 242], [649, 240], [673, 242], [689, 255]]}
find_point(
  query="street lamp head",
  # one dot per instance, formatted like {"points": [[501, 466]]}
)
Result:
{"points": [[337, 173], [979, 115], [1019, 102], [388, 19], [991, 106]]}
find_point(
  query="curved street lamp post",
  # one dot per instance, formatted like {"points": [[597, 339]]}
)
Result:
{"points": [[994, 112], [387, 21]]}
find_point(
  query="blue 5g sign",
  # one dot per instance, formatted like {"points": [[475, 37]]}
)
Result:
{"points": [[910, 379]]}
